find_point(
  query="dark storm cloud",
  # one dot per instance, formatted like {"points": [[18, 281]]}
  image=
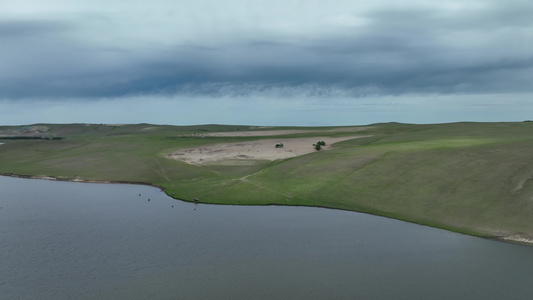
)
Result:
{"points": [[399, 50]]}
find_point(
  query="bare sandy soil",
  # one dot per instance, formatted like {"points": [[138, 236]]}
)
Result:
{"points": [[522, 238], [240, 153]]}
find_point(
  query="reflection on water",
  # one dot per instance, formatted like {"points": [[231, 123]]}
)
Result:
{"points": [[62, 240]]}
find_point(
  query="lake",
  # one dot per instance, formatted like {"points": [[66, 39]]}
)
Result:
{"points": [[65, 240]]}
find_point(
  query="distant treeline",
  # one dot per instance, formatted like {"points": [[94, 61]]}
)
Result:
{"points": [[30, 138]]}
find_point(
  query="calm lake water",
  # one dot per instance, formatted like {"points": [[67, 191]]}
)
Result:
{"points": [[63, 240]]}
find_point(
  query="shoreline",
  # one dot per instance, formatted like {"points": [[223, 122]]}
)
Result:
{"points": [[52, 178], [515, 238]]}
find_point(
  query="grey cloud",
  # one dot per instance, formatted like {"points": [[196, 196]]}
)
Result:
{"points": [[399, 51], [482, 15], [500, 14], [31, 28], [386, 70]]}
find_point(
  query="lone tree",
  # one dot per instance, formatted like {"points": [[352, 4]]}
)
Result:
{"points": [[319, 145], [280, 145]]}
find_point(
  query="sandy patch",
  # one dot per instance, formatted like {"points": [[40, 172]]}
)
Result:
{"points": [[255, 150], [278, 132], [519, 238]]}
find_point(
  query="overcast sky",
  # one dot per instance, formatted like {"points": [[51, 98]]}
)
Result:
{"points": [[272, 62]]}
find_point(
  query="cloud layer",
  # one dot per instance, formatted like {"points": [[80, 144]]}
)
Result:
{"points": [[266, 48]]}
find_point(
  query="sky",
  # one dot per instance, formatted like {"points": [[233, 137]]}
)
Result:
{"points": [[265, 62]]}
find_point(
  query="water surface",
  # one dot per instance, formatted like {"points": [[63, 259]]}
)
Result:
{"points": [[64, 240]]}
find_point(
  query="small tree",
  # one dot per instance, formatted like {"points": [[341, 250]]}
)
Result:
{"points": [[319, 145]]}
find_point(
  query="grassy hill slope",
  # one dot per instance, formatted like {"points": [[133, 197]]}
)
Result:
{"points": [[475, 178]]}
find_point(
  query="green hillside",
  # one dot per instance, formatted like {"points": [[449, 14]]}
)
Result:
{"points": [[475, 178]]}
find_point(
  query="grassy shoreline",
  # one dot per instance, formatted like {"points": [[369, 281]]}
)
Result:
{"points": [[389, 216], [470, 178]]}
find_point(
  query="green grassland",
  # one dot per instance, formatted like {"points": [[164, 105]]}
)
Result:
{"points": [[475, 178]]}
